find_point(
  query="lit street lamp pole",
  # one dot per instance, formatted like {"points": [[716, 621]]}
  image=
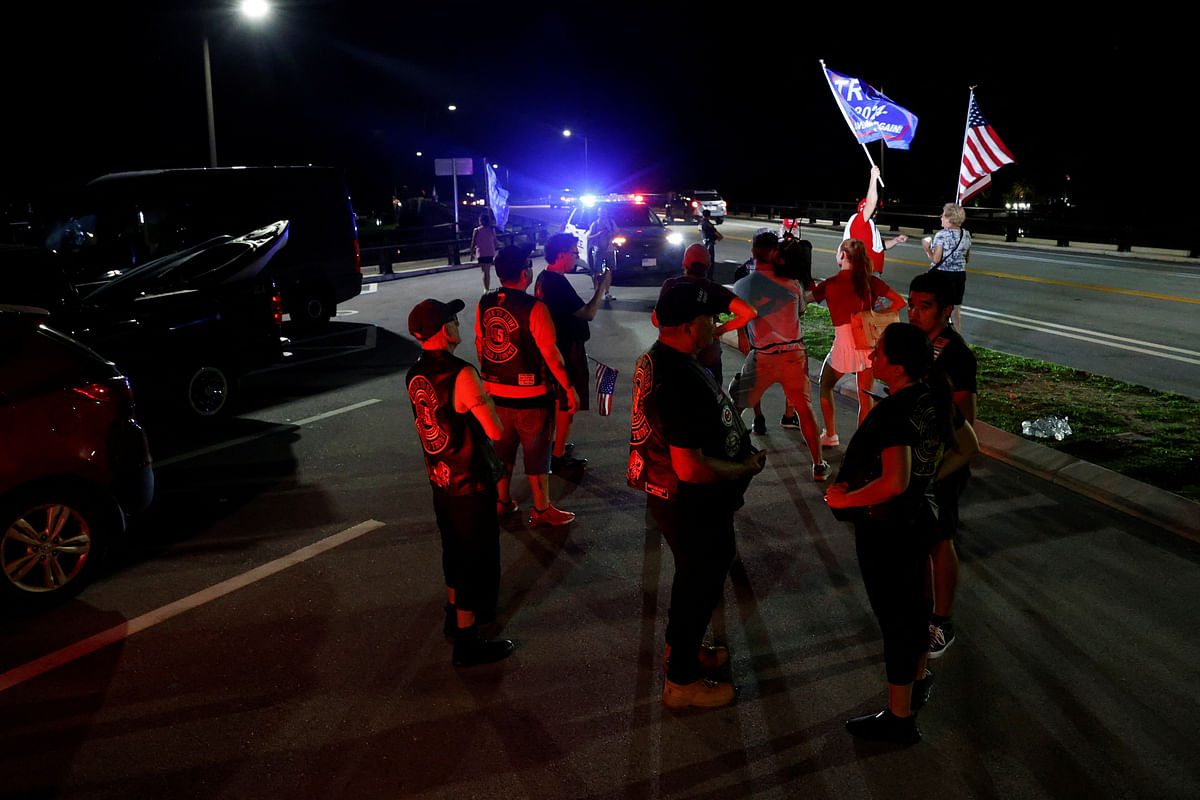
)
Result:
{"points": [[250, 9], [586, 181]]}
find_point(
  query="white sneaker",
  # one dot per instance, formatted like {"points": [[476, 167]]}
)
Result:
{"points": [[829, 441]]}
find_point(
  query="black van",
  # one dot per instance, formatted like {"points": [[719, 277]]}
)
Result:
{"points": [[125, 219]]}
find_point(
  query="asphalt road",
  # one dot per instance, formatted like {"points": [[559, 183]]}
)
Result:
{"points": [[274, 627], [1130, 317]]}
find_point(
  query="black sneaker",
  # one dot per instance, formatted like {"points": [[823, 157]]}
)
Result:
{"points": [[760, 425], [886, 726], [792, 422], [940, 638], [561, 464], [821, 471], [471, 649], [922, 691]]}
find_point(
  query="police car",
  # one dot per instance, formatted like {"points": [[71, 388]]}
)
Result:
{"points": [[642, 243], [688, 207]]}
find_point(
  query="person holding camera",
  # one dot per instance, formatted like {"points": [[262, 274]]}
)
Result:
{"points": [[571, 317]]}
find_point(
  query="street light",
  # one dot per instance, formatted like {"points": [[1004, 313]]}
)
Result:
{"points": [[254, 10], [586, 183]]}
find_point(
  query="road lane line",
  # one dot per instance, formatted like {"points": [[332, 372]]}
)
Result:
{"points": [[998, 315], [1093, 288], [1089, 336], [203, 451], [18, 675]]}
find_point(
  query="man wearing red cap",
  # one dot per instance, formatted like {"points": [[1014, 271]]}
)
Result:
{"points": [[862, 226], [456, 424]]}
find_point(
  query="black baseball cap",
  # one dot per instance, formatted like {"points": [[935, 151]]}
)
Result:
{"points": [[685, 301], [429, 316], [511, 261]]}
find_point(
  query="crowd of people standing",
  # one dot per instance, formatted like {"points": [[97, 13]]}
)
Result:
{"points": [[690, 451]]}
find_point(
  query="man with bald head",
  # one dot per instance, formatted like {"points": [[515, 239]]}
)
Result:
{"points": [[696, 267]]}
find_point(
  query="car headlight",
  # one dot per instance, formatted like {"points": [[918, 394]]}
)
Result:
{"points": [[674, 239], [618, 241]]}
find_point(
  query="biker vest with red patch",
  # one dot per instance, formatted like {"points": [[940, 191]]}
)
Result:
{"points": [[459, 458], [509, 353], [713, 417]]}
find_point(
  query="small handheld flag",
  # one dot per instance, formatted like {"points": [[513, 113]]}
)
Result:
{"points": [[606, 383]]}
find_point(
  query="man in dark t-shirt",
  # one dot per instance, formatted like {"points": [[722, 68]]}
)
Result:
{"points": [[929, 306], [691, 454], [571, 317]]}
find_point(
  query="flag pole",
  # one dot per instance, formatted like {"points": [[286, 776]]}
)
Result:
{"points": [[838, 100], [962, 154]]}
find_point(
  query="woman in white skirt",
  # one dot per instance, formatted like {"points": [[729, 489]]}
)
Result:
{"points": [[853, 289]]}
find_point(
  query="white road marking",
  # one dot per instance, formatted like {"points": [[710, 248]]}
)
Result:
{"points": [[18, 675], [1092, 336], [203, 451]]}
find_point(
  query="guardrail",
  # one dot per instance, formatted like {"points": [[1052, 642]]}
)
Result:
{"points": [[1012, 225], [395, 252]]}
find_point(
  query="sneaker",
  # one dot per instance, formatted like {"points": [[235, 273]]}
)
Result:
{"points": [[792, 422], [922, 690], [760, 425], [711, 656], [886, 726], [940, 638], [550, 516], [699, 694], [471, 649], [503, 509], [829, 441], [608, 297], [821, 471], [565, 463]]}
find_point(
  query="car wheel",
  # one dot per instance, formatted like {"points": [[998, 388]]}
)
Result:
{"points": [[312, 311], [208, 390], [52, 542]]}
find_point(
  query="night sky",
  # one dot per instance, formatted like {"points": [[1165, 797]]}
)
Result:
{"points": [[668, 99]]}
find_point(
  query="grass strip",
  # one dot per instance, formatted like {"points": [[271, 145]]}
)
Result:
{"points": [[1145, 434]]}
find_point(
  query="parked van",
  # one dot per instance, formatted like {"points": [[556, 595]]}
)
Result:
{"points": [[125, 219]]}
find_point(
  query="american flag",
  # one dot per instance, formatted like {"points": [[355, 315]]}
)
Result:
{"points": [[606, 382], [983, 153]]}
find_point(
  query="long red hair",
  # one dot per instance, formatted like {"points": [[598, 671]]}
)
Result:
{"points": [[860, 267]]}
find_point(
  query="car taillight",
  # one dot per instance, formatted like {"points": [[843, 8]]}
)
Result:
{"points": [[277, 304], [114, 391], [695, 204]]}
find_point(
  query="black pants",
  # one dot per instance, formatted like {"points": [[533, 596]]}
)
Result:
{"points": [[894, 558], [946, 493], [702, 544], [470, 548]]}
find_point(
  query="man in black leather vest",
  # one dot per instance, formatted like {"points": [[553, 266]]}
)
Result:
{"points": [[455, 423], [518, 356], [691, 454]]}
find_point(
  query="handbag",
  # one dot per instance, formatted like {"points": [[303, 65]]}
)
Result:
{"points": [[867, 326]]}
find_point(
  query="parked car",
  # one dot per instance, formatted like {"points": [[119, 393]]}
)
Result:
{"points": [[74, 462], [688, 207], [122, 220], [186, 326], [643, 242]]}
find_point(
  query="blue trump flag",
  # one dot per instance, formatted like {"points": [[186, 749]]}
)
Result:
{"points": [[869, 113]]}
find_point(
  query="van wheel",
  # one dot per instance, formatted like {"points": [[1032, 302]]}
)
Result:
{"points": [[52, 542], [313, 311], [209, 390]]}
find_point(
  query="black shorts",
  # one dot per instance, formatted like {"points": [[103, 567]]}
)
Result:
{"points": [[575, 358], [954, 282]]}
